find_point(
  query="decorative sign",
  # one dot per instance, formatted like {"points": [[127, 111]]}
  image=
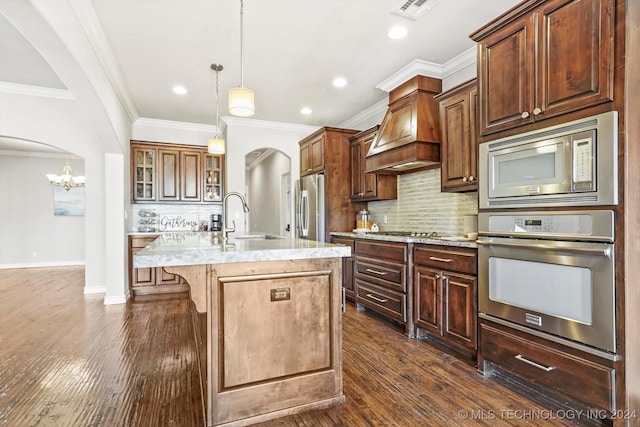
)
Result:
{"points": [[177, 223]]}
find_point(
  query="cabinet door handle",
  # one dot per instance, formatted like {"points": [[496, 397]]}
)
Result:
{"points": [[534, 364], [375, 298], [432, 258], [380, 273], [536, 111], [524, 114], [471, 178], [464, 179]]}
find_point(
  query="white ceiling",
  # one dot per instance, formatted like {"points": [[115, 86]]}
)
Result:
{"points": [[292, 51]]}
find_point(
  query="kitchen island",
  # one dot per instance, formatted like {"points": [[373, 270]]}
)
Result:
{"points": [[267, 321]]}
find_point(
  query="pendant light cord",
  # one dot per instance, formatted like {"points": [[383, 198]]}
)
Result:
{"points": [[217, 105], [241, 44]]}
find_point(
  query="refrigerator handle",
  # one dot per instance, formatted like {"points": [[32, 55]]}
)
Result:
{"points": [[304, 213]]}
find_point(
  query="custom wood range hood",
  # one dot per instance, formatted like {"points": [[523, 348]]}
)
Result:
{"points": [[409, 136]]}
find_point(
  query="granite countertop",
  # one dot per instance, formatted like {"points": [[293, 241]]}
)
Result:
{"points": [[195, 248], [443, 241]]}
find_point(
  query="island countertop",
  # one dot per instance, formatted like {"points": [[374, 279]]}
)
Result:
{"points": [[197, 248]]}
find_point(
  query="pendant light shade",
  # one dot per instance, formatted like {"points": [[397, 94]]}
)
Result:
{"points": [[215, 145], [241, 99], [241, 102]]}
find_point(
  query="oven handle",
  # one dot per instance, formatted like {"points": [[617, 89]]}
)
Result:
{"points": [[542, 247]]}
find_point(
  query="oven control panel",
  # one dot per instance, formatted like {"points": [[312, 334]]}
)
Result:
{"points": [[597, 225]]}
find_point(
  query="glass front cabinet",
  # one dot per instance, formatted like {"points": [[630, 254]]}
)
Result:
{"points": [[212, 178], [148, 175]]}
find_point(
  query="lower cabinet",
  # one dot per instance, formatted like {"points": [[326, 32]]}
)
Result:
{"points": [[581, 378], [381, 280], [348, 267], [146, 281], [445, 296]]}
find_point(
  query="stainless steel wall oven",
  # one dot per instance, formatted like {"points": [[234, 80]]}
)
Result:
{"points": [[551, 273]]}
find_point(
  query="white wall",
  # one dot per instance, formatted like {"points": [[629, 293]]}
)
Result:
{"points": [[30, 234], [246, 135], [264, 194]]}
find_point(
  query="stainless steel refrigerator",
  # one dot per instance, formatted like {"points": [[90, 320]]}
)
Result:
{"points": [[309, 196]]}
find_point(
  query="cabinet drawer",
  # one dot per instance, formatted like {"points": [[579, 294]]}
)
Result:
{"points": [[389, 303], [382, 250], [344, 241], [141, 241], [580, 379], [386, 274], [457, 259]]}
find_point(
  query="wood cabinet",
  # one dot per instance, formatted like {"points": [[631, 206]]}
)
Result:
{"points": [[348, 266], [368, 186], [381, 280], [543, 59], [312, 155], [329, 148], [445, 298], [580, 378], [146, 281], [459, 145], [174, 173], [212, 178]]}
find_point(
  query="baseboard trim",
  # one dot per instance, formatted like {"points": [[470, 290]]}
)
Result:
{"points": [[115, 299], [42, 264]]}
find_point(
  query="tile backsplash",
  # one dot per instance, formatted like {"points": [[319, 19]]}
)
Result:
{"points": [[421, 206], [169, 217]]}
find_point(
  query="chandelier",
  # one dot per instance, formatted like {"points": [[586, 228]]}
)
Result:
{"points": [[241, 99], [216, 144], [66, 180]]}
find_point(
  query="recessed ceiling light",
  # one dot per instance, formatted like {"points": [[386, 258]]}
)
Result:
{"points": [[179, 90], [398, 32], [339, 82], [306, 111]]}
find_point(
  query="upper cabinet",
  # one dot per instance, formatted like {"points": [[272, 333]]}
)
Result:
{"points": [[368, 186], [543, 59], [174, 173], [312, 155], [459, 149]]}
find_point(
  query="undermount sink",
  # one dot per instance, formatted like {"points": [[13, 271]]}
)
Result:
{"points": [[254, 237]]}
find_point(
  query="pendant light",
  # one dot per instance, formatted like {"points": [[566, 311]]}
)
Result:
{"points": [[241, 99], [216, 144]]}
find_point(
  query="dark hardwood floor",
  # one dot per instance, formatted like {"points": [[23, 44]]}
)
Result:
{"points": [[68, 360]]}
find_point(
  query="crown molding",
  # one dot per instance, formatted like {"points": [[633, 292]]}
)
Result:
{"points": [[376, 110], [414, 68], [265, 124], [97, 38], [170, 124], [43, 92], [429, 69], [465, 59]]}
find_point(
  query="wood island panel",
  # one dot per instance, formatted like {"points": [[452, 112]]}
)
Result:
{"points": [[267, 356]]}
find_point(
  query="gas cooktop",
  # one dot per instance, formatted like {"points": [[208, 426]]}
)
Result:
{"points": [[409, 233]]}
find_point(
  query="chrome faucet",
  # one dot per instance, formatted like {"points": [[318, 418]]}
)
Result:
{"points": [[245, 208]]}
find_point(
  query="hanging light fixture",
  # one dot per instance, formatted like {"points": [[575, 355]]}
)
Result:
{"points": [[66, 180], [241, 99], [216, 144]]}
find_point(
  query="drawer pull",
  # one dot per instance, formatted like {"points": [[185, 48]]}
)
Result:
{"points": [[534, 364], [375, 298], [380, 273], [432, 258]]}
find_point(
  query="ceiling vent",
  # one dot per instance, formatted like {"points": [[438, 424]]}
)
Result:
{"points": [[414, 9]]}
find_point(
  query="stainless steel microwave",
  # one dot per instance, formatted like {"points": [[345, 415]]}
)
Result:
{"points": [[571, 164]]}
